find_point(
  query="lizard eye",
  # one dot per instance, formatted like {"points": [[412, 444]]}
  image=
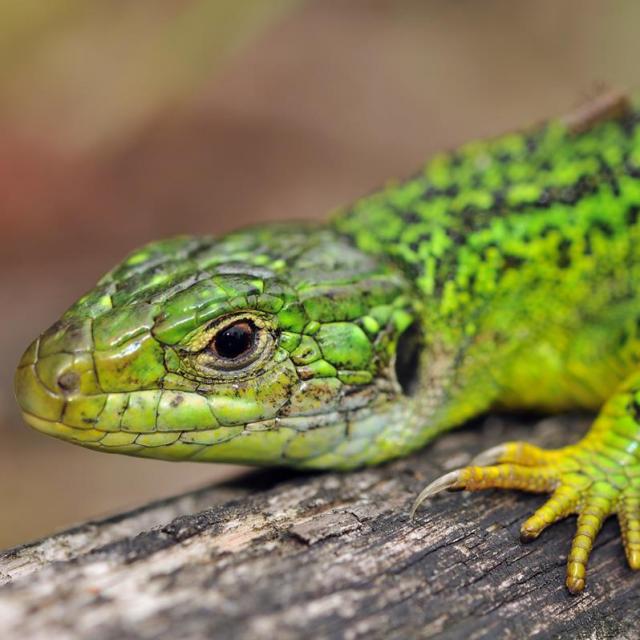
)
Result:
{"points": [[234, 341], [231, 347]]}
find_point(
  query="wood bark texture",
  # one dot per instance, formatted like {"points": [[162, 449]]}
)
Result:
{"points": [[284, 555]]}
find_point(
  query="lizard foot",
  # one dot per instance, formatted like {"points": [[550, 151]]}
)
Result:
{"points": [[582, 480]]}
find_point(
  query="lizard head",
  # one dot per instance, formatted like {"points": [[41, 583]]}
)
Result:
{"points": [[274, 345]]}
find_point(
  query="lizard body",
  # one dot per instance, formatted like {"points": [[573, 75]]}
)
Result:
{"points": [[506, 274]]}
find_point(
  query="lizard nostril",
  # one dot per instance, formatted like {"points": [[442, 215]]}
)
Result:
{"points": [[68, 382]]}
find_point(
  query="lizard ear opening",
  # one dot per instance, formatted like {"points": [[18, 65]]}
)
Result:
{"points": [[407, 364]]}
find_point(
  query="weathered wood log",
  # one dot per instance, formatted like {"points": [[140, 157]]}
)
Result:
{"points": [[285, 555]]}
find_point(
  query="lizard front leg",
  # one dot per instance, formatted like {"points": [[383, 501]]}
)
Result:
{"points": [[593, 479]]}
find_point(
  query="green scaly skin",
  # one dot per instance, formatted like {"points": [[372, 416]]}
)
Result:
{"points": [[504, 275]]}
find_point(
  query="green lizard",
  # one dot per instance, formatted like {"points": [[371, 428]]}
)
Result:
{"points": [[504, 275]]}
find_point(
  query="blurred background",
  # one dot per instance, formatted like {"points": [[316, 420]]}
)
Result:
{"points": [[121, 122]]}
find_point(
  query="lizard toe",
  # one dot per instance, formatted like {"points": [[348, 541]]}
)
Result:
{"points": [[562, 503], [592, 514], [522, 453], [628, 513], [499, 476]]}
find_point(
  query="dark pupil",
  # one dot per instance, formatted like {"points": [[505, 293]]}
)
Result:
{"points": [[234, 340]]}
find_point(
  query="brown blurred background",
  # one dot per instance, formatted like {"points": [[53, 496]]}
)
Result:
{"points": [[121, 122]]}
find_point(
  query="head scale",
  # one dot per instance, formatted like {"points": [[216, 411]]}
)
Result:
{"points": [[274, 345]]}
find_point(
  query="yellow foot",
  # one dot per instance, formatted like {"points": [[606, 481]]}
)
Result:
{"points": [[588, 482]]}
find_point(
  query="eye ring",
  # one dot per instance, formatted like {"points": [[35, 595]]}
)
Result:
{"points": [[234, 341], [230, 347]]}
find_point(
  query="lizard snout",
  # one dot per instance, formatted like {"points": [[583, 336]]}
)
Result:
{"points": [[55, 370]]}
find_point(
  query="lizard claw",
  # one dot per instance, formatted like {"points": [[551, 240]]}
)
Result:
{"points": [[449, 480], [490, 456]]}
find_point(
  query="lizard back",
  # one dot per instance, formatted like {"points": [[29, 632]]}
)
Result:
{"points": [[526, 244]]}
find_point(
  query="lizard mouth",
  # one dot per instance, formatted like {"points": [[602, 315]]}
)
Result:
{"points": [[49, 394], [56, 395]]}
